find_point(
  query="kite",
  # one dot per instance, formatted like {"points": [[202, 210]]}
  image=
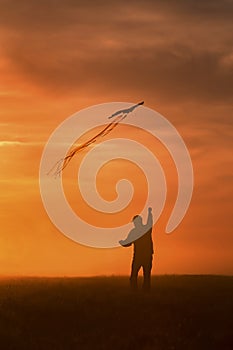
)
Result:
{"points": [[127, 110], [118, 116]]}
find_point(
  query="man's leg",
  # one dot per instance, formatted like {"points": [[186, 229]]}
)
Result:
{"points": [[134, 274], [147, 266]]}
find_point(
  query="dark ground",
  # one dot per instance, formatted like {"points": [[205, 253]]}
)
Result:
{"points": [[181, 312]]}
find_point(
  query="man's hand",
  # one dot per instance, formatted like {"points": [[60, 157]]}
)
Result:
{"points": [[123, 244]]}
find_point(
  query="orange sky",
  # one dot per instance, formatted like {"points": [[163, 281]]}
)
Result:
{"points": [[56, 58]]}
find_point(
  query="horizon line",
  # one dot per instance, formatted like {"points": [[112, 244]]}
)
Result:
{"points": [[4, 277]]}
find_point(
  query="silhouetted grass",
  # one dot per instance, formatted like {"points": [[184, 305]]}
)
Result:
{"points": [[181, 312]]}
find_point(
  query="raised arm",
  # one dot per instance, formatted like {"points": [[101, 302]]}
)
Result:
{"points": [[149, 223]]}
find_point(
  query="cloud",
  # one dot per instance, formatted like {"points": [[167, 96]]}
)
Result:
{"points": [[173, 50], [5, 143]]}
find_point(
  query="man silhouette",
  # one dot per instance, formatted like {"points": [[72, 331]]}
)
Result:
{"points": [[141, 237]]}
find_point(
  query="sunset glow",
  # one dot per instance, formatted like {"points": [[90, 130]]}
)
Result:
{"points": [[59, 58]]}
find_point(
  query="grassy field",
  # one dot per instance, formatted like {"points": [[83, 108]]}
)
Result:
{"points": [[181, 312]]}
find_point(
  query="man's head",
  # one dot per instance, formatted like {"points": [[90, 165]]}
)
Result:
{"points": [[137, 220]]}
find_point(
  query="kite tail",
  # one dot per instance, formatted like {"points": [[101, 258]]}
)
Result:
{"points": [[60, 165]]}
